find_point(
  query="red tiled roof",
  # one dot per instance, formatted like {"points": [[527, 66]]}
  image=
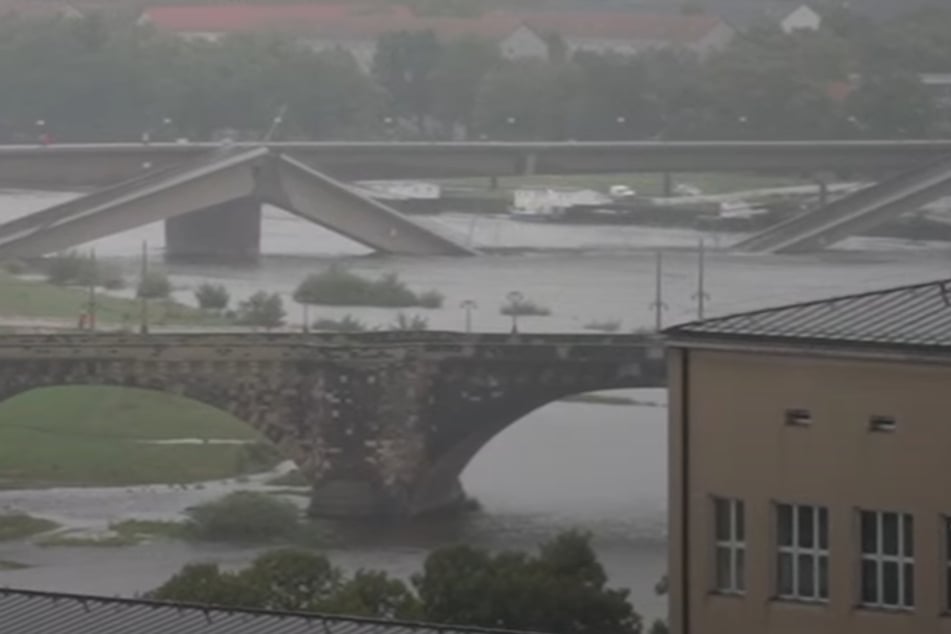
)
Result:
{"points": [[361, 21]]}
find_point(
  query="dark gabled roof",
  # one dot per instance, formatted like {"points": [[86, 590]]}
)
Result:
{"points": [[917, 316], [30, 612]]}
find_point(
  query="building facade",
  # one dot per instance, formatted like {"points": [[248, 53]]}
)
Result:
{"points": [[807, 448]]}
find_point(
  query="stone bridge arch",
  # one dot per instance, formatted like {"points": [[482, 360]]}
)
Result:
{"points": [[381, 423], [471, 402]]}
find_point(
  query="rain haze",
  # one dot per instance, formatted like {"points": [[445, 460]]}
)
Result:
{"points": [[403, 285]]}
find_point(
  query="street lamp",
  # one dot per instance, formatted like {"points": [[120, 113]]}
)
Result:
{"points": [[468, 305], [515, 302]]}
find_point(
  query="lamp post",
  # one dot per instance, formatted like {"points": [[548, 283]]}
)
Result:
{"points": [[515, 301], [468, 305]]}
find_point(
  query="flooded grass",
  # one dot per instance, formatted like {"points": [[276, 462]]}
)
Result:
{"points": [[20, 526], [93, 436], [35, 299], [144, 529]]}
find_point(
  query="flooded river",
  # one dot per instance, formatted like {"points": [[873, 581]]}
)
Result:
{"points": [[595, 467]]}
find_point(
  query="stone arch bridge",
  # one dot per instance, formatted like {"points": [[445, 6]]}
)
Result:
{"points": [[379, 423]]}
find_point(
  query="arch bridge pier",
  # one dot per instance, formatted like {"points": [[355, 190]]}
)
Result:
{"points": [[379, 423]]}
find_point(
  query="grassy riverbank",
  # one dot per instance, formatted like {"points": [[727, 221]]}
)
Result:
{"points": [[34, 299], [104, 436]]}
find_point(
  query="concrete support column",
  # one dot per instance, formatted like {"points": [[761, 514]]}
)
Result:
{"points": [[229, 231]]}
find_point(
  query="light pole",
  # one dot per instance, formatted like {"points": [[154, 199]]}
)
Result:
{"points": [[468, 305], [515, 302]]}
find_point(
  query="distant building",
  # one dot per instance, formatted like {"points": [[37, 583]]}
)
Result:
{"points": [[630, 33], [518, 35], [808, 445], [345, 27]]}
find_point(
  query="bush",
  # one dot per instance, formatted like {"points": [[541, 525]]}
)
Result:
{"points": [[406, 323], [68, 268], [264, 310], [339, 287], [347, 324], [244, 516], [71, 268], [154, 285], [14, 266], [110, 278], [212, 296], [524, 308]]}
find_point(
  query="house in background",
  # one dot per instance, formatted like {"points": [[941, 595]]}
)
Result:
{"points": [[627, 33], [345, 27], [518, 35], [808, 448]]}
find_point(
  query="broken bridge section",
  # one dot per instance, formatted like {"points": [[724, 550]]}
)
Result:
{"points": [[211, 207], [862, 210]]}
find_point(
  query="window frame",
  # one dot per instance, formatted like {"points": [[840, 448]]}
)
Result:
{"points": [[880, 424], [880, 559], [797, 417], [734, 545], [794, 551]]}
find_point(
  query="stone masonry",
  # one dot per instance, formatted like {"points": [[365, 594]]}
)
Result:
{"points": [[379, 423]]}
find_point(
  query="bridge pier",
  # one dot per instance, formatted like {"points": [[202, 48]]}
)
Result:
{"points": [[230, 231]]}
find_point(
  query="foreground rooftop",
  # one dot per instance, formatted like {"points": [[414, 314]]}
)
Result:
{"points": [[31, 612], [913, 316]]}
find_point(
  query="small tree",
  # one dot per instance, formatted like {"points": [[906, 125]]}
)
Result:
{"points": [[265, 310], [244, 516], [212, 297], [407, 323], [154, 285]]}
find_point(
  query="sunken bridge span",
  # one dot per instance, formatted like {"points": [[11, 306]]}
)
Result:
{"points": [[380, 423]]}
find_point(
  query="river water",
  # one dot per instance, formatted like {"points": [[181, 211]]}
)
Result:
{"points": [[568, 465]]}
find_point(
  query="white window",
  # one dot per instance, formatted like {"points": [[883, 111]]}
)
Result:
{"points": [[888, 564], [882, 423], [730, 549], [798, 417], [802, 544]]}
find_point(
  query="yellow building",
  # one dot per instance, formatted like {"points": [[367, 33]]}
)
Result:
{"points": [[809, 450]]}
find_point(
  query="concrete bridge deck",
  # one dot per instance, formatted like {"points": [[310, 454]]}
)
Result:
{"points": [[856, 212], [219, 196], [84, 165], [379, 423]]}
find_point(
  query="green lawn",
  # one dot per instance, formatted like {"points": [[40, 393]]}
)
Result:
{"points": [[644, 184], [94, 436], [35, 299]]}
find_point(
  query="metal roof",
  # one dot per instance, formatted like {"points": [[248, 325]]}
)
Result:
{"points": [[31, 612], [907, 316]]}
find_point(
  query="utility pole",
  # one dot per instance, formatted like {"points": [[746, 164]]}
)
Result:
{"points": [[144, 329], [701, 295], [658, 304], [93, 275], [468, 305]]}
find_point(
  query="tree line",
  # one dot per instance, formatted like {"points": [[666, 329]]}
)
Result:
{"points": [[563, 588], [95, 79]]}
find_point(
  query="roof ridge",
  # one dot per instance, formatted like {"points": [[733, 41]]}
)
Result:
{"points": [[752, 314], [315, 616]]}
